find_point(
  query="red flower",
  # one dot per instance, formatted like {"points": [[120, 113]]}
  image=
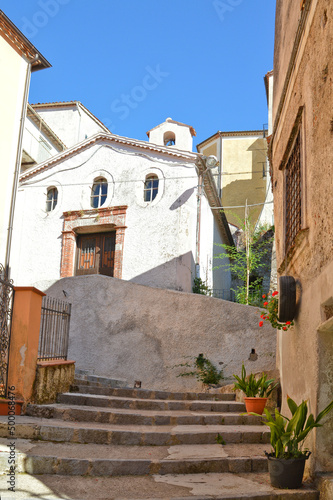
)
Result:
{"points": [[265, 303], [274, 293], [261, 323], [262, 316], [288, 323], [284, 328], [264, 296]]}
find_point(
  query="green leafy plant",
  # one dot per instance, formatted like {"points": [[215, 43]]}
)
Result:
{"points": [[288, 435], [271, 305], [247, 261], [203, 369], [200, 286], [253, 387], [219, 439]]}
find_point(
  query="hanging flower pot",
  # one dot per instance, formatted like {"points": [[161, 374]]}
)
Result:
{"points": [[287, 299]]}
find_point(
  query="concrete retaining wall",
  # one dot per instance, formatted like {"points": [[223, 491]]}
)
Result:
{"points": [[134, 332]]}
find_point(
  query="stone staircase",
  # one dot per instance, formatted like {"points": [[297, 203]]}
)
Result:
{"points": [[106, 441]]}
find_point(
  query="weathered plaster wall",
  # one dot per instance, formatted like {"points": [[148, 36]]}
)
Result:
{"points": [[70, 123], [305, 353], [134, 332]]}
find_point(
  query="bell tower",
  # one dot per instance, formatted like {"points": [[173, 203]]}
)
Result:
{"points": [[172, 134]]}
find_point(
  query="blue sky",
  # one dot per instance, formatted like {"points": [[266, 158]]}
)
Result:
{"points": [[133, 63]]}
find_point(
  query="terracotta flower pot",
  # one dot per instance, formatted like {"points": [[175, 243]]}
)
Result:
{"points": [[255, 405], [6, 406]]}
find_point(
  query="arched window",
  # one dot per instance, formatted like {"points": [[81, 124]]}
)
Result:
{"points": [[51, 199], [169, 139], [99, 192], [151, 188]]}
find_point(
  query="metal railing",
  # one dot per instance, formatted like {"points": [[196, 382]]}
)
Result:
{"points": [[6, 308], [54, 329]]}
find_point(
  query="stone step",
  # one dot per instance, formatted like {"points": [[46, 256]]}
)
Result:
{"points": [[150, 394], [150, 404], [159, 435], [96, 380], [137, 417], [108, 460], [220, 486]]}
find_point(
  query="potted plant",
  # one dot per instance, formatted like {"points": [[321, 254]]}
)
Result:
{"points": [[286, 462], [256, 390]]}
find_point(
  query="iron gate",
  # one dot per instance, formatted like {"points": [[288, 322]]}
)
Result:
{"points": [[54, 329], [6, 308]]}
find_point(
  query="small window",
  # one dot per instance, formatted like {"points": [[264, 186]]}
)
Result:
{"points": [[169, 139], [99, 192], [151, 188], [51, 199]]}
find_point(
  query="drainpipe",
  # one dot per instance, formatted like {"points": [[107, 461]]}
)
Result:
{"points": [[198, 229], [18, 165]]}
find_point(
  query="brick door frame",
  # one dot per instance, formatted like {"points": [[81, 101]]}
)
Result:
{"points": [[89, 221]]}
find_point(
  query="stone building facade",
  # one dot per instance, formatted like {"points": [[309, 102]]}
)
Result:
{"points": [[301, 158]]}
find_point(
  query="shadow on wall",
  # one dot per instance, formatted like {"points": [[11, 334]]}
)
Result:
{"points": [[182, 199], [176, 274], [123, 330]]}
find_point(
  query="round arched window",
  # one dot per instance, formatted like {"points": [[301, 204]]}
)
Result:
{"points": [[51, 199], [99, 192], [151, 188]]}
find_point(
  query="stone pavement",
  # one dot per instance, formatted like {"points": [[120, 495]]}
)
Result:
{"points": [[104, 442]]}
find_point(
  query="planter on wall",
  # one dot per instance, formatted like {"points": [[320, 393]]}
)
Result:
{"points": [[7, 405], [286, 473], [255, 405], [287, 298]]}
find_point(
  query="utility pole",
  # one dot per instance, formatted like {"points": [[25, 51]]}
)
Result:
{"points": [[247, 246]]}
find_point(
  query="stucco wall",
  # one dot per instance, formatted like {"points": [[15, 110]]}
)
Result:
{"points": [[306, 352], [70, 123], [135, 332], [13, 73]]}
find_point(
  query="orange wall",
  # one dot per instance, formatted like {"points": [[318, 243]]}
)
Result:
{"points": [[24, 341]]}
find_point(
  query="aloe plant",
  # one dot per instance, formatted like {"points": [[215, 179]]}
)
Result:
{"points": [[288, 435], [251, 387]]}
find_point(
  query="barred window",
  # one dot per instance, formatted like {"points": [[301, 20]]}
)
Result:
{"points": [[293, 194], [151, 188]]}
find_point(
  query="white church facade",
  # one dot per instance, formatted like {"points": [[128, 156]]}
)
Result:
{"points": [[105, 204]]}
